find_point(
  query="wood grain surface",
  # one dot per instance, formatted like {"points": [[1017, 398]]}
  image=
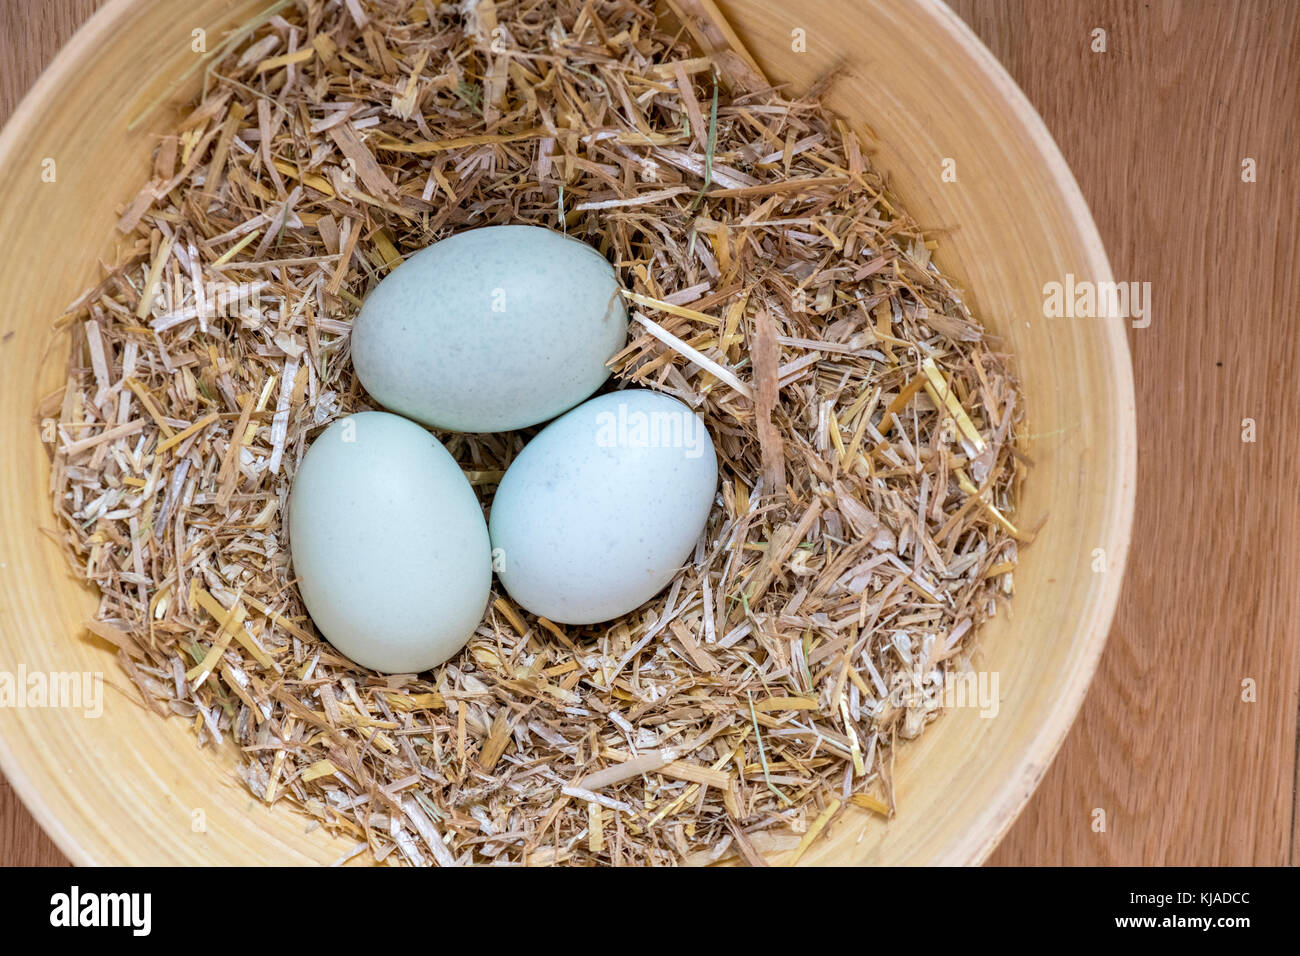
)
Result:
{"points": [[1156, 130], [1186, 750]]}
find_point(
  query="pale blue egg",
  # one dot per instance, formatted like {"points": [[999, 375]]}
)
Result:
{"points": [[603, 507], [490, 330], [389, 544]]}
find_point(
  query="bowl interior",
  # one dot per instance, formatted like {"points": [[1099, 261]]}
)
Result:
{"points": [[128, 787]]}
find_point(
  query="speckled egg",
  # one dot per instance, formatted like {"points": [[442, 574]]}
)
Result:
{"points": [[389, 544], [600, 510], [490, 330]]}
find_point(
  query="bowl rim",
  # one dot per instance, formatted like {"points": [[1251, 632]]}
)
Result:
{"points": [[1037, 756], [1016, 789], [25, 115]]}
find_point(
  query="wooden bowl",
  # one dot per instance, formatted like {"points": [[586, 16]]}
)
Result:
{"points": [[128, 787]]}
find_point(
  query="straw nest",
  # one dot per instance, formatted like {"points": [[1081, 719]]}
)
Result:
{"points": [[864, 425]]}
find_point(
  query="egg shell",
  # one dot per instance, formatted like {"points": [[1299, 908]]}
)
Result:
{"points": [[389, 544], [600, 510], [490, 330]]}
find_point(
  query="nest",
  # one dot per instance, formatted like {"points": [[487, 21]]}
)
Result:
{"points": [[865, 430]]}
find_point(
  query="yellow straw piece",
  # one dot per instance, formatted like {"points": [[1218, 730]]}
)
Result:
{"points": [[155, 273], [868, 802], [321, 768], [943, 397], [660, 306], [180, 436], [815, 830], [786, 703], [231, 252], [595, 827], [285, 59], [318, 183], [968, 486]]}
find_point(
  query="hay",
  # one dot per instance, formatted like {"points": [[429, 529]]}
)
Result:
{"points": [[864, 425]]}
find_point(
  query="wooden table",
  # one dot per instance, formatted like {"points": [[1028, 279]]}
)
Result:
{"points": [[1156, 129]]}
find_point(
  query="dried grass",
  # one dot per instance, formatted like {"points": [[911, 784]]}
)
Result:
{"points": [[863, 423]]}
